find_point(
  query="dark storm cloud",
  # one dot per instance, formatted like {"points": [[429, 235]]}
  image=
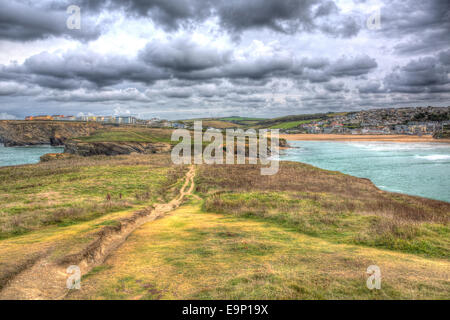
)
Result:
{"points": [[322, 70], [370, 87], [429, 74], [335, 86], [185, 59], [183, 55], [20, 22], [268, 64], [236, 16], [80, 68], [444, 57], [283, 16], [354, 66], [424, 25], [179, 59]]}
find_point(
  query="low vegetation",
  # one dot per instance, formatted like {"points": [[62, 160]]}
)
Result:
{"points": [[77, 189], [194, 254], [130, 134], [56, 208], [304, 233], [329, 205]]}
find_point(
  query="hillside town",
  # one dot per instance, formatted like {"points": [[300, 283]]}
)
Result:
{"points": [[409, 121], [412, 121]]}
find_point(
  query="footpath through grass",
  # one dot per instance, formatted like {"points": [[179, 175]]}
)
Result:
{"points": [[193, 254], [79, 189], [56, 208]]}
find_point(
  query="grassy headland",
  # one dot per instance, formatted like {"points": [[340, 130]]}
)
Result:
{"points": [[129, 134], [304, 233]]}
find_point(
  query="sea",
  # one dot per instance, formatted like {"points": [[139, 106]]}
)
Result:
{"points": [[421, 169], [13, 156]]}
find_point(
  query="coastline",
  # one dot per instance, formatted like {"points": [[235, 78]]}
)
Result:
{"points": [[344, 137]]}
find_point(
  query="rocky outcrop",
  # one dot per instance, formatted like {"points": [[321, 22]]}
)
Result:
{"points": [[114, 148], [24, 133]]}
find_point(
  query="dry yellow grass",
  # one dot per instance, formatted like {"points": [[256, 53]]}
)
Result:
{"points": [[196, 255], [55, 208]]}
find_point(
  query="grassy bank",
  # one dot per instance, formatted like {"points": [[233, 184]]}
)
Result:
{"points": [[130, 134], [304, 233], [55, 208], [329, 205], [193, 254], [78, 189]]}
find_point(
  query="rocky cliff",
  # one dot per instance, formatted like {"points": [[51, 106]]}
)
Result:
{"points": [[22, 133], [114, 148]]}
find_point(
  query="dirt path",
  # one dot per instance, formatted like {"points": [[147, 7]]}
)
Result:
{"points": [[46, 280]]}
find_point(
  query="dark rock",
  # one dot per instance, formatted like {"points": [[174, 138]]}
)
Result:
{"points": [[114, 148], [26, 133]]}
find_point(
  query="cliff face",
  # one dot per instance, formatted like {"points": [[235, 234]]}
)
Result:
{"points": [[114, 148], [22, 133]]}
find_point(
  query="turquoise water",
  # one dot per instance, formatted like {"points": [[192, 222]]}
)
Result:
{"points": [[24, 155], [421, 169]]}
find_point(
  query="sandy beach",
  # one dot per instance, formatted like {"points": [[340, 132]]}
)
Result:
{"points": [[344, 137]]}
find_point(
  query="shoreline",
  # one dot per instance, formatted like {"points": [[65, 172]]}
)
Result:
{"points": [[348, 137]]}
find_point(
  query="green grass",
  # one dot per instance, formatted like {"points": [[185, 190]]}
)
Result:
{"points": [[132, 134], [329, 205], [79, 189], [291, 124], [313, 217], [194, 254], [304, 233]]}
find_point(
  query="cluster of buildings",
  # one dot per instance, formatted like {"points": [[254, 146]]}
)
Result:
{"points": [[155, 122], [413, 121], [107, 119]]}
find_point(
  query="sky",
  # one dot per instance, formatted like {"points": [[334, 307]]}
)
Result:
{"points": [[179, 59]]}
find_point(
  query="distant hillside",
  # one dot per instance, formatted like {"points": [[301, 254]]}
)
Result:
{"points": [[292, 121], [374, 119]]}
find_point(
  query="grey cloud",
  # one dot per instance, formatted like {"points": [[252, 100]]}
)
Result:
{"points": [[444, 57], [7, 116], [426, 23], [184, 61], [11, 88], [353, 66], [20, 22], [80, 68], [371, 87], [183, 55], [236, 16], [289, 16], [128, 94], [322, 70], [335, 86], [429, 74]]}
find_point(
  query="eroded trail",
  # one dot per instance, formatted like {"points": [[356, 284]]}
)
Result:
{"points": [[47, 279]]}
